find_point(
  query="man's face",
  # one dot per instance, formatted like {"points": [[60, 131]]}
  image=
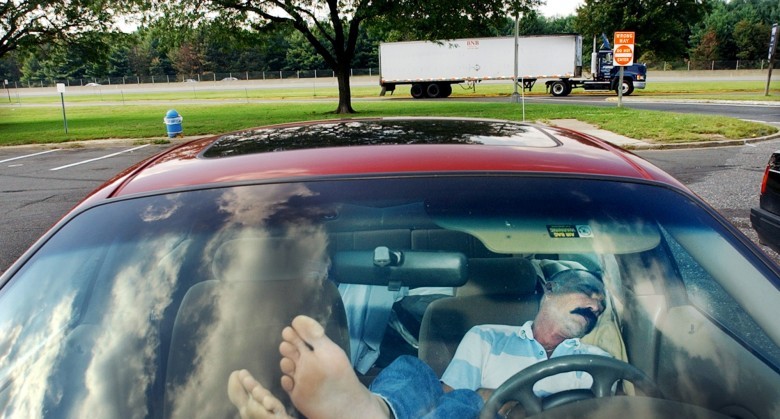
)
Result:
{"points": [[575, 313]]}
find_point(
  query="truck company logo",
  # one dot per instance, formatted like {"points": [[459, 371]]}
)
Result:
{"points": [[472, 43]]}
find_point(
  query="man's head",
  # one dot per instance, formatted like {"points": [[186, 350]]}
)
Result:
{"points": [[573, 299]]}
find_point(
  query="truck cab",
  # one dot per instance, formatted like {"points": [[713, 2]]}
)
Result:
{"points": [[605, 76], [603, 70]]}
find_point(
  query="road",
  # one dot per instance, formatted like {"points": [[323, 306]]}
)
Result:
{"points": [[35, 195], [728, 178], [40, 185], [768, 112]]}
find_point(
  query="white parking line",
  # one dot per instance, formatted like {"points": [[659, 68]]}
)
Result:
{"points": [[99, 158], [29, 155]]}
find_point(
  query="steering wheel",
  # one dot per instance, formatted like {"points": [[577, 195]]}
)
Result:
{"points": [[604, 370]]}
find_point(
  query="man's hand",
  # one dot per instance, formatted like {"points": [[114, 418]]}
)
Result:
{"points": [[485, 393], [508, 410]]}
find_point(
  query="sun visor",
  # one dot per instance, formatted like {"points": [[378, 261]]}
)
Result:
{"points": [[554, 236]]}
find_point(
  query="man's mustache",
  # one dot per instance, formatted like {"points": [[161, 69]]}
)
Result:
{"points": [[589, 316]]}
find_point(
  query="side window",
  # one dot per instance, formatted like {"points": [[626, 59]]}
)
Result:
{"points": [[707, 295]]}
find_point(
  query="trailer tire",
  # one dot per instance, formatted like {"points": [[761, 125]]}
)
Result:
{"points": [[446, 90], [560, 88], [418, 90], [628, 87], [433, 90]]}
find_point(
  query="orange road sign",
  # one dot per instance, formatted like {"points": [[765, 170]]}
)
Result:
{"points": [[623, 54]]}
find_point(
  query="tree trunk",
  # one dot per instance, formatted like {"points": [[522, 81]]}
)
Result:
{"points": [[345, 94]]}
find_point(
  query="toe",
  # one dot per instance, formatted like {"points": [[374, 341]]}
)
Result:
{"points": [[236, 391], [308, 329], [287, 383], [288, 350]]}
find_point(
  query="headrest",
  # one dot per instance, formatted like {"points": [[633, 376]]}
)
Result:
{"points": [[506, 276], [269, 258]]}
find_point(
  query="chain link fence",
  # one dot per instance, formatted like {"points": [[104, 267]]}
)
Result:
{"points": [[188, 78], [694, 65]]}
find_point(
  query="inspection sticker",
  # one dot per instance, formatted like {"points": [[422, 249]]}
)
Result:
{"points": [[569, 231]]}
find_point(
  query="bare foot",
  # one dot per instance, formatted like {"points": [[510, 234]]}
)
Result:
{"points": [[319, 377], [251, 399]]}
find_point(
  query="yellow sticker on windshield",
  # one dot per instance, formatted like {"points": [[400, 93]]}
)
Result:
{"points": [[569, 231]]}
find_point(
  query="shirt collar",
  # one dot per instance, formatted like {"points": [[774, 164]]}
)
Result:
{"points": [[526, 332]]}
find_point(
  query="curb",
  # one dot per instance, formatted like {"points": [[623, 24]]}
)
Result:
{"points": [[108, 142], [703, 144]]}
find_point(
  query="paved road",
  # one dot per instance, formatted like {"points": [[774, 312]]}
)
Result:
{"points": [[40, 184], [728, 178], [35, 195]]}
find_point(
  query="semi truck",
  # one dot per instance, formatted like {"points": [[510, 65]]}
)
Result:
{"points": [[432, 67]]}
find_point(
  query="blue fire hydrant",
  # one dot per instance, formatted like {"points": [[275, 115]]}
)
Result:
{"points": [[173, 123]]}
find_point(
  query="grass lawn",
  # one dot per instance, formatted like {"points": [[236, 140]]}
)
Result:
{"points": [[44, 124]]}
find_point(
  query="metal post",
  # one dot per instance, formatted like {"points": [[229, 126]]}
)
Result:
{"points": [[773, 41], [515, 97], [620, 87], [64, 118]]}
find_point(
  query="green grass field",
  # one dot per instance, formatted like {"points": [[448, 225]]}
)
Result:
{"points": [[111, 112], [44, 124]]}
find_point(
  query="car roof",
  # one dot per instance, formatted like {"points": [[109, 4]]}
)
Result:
{"points": [[377, 146]]}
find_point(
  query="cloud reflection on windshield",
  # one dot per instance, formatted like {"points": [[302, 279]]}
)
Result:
{"points": [[254, 245], [125, 351]]}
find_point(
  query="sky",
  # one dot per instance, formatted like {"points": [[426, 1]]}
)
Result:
{"points": [[560, 7]]}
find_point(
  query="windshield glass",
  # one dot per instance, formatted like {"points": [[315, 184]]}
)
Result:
{"points": [[143, 307]]}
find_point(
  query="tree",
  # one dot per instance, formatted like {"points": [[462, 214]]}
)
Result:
{"points": [[706, 50], [332, 27], [187, 59], [662, 26], [31, 22], [751, 39]]}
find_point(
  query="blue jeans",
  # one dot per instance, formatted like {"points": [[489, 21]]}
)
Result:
{"points": [[413, 391]]}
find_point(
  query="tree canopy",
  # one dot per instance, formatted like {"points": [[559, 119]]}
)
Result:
{"points": [[31, 22], [188, 41], [662, 26]]}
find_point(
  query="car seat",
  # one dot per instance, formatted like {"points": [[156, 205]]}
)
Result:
{"points": [[498, 291], [233, 323]]}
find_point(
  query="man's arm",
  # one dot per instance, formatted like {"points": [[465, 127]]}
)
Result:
{"points": [[464, 371]]}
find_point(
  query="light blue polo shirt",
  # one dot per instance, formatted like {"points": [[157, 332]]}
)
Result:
{"points": [[490, 354]]}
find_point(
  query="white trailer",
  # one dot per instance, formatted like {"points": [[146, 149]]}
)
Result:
{"points": [[431, 68]]}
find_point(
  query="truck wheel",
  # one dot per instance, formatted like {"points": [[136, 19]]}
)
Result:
{"points": [[446, 90], [560, 88], [417, 91], [433, 90], [628, 87]]}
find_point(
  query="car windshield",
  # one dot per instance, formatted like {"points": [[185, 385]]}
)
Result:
{"points": [[142, 307]]}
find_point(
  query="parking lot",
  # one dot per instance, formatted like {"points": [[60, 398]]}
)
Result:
{"points": [[39, 185]]}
